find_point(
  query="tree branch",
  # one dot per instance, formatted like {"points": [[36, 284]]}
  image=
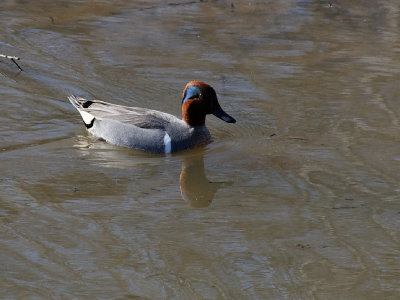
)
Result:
{"points": [[13, 59]]}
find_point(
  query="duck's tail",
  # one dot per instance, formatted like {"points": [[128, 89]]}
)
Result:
{"points": [[77, 102], [80, 104]]}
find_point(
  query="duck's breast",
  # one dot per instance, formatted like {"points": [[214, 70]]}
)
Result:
{"points": [[185, 136]]}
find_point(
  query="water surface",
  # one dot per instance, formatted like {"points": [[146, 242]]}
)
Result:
{"points": [[297, 200]]}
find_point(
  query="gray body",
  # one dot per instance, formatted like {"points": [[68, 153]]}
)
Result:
{"points": [[139, 128]]}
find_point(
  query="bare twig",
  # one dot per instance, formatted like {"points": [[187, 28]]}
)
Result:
{"points": [[9, 57], [13, 59]]}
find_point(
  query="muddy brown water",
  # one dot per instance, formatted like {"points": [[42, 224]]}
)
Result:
{"points": [[297, 200]]}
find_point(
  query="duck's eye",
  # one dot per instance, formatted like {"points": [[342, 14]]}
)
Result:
{"points": [[192, 92]]}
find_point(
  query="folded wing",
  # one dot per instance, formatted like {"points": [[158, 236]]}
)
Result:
{"points": [[140, 117]]}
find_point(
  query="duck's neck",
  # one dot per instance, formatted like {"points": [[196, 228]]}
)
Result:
{"points": [[194, 113]]}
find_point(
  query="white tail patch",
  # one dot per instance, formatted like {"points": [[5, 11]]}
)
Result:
{"points": [[167, 143], [87, 118]]}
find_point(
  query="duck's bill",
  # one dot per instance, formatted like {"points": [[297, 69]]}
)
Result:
{"points": [[219, 113]]}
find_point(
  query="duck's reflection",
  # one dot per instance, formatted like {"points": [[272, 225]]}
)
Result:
{"points": [[196, 190]]}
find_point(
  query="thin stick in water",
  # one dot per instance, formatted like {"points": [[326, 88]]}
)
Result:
{"points": [[13, 59]]}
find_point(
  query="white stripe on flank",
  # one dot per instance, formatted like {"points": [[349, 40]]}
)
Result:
{"points": [[87, 118], [167, 143]]}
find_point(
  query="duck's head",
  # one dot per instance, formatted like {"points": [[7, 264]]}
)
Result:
{"points": [[199, 100]]}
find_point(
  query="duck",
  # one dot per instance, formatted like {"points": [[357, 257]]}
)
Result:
{"points": [[151, 130]]}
